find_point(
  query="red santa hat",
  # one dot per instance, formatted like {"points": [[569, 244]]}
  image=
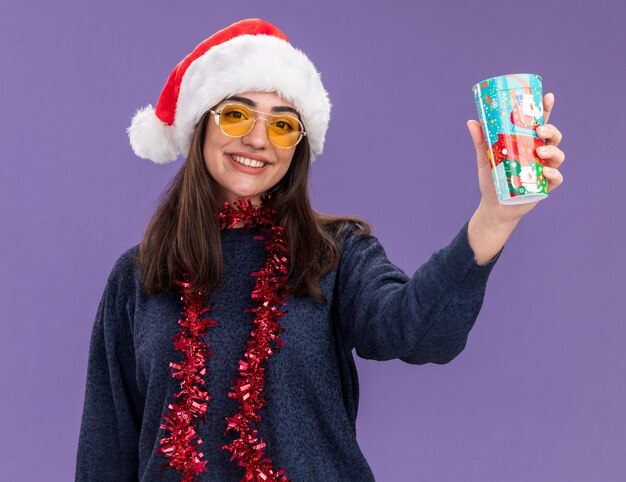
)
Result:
{"points": [[249, 56]]}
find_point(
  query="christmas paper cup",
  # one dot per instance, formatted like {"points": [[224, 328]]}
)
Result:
{"points": [[510, 108]]}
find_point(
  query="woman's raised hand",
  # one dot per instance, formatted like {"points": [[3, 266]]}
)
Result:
{"points": [[493, 223], [553, 156]]}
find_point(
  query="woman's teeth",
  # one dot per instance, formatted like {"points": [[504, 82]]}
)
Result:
{"points": [[247, 162]]}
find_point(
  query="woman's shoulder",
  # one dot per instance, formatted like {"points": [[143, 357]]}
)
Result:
{"points": [[125, 268], [344, 228], [127, 259], [352, 237]]}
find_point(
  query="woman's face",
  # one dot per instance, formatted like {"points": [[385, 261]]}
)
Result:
{"points": [[223, 154]]}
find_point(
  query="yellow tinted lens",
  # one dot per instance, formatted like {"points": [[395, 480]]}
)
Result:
{"points": [[285, 131], [236, 120]]}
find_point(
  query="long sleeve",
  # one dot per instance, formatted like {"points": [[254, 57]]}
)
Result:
{"points": [[384, 314], [108, 444]]}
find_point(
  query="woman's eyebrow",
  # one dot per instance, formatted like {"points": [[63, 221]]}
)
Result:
{"points": [[243, 100], [251, 103], [284, 108]]}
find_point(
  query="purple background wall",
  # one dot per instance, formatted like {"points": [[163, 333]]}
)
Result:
{"points": [[539, 392]]}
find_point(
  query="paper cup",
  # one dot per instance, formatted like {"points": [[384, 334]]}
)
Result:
{"points": [[510, 109]]}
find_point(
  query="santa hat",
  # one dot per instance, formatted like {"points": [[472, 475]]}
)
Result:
{"points": [[249, 56]]}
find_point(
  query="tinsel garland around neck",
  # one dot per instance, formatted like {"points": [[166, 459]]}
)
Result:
{"points": [[191, 402]]}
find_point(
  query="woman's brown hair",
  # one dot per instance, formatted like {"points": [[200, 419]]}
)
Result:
{"points": [[183, 235]]}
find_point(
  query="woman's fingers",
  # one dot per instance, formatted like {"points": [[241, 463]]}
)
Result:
{"points": [[550, 134], [548, 105], [554, 177], [553, 156], [550, 153]]}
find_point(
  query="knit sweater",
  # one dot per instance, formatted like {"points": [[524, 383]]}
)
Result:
{"points": [[311, 385]]}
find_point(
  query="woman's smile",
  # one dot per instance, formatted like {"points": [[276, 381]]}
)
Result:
{"points": [[248, 161]]}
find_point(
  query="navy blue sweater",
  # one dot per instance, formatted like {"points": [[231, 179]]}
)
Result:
{"points": [[309, 420]]}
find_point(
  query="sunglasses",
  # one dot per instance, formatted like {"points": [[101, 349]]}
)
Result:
{"points": [[236, 120]]}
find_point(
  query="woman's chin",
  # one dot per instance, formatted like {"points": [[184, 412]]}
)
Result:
{"points": [[242, 196]]}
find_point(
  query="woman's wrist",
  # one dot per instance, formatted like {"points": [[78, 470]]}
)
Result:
{"points": [[487, 234]]}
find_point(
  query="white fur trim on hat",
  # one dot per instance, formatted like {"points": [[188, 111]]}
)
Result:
{"points": [[253, 63]]}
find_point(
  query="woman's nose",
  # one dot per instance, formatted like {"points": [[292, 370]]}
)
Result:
{"points": [[257, 137]]}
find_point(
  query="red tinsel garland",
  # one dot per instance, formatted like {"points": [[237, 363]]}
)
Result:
{"points": [[268, 293], [180, 446]]}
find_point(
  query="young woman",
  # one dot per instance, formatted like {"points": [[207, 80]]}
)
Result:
{"points": [[222, 347]]}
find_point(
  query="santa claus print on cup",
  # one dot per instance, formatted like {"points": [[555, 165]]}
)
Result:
{"points": [[510, 110]]}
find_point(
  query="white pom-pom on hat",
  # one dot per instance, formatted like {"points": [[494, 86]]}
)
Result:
{"points": [[249, 56], [151, 138]]}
